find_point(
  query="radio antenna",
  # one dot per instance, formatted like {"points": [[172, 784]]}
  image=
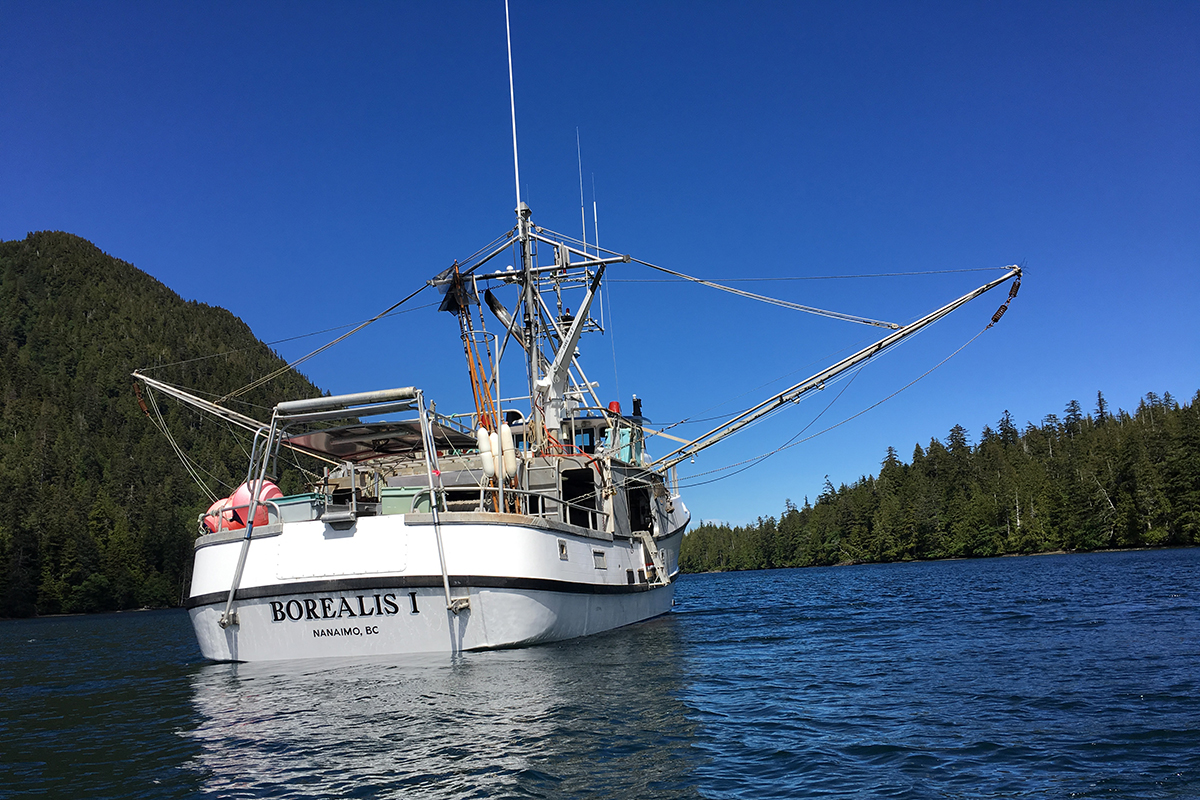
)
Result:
{"points": [[582, 213], [595, 220], [512, 99]]}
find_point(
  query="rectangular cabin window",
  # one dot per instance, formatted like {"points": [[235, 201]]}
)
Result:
{"points": [[601, 561], [629, 576], [585, 440], [562, 550]]}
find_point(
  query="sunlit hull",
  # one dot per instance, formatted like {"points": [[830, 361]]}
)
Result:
{"points": [[310, 590]]}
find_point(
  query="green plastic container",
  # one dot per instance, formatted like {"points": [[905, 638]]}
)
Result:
{"points": [[404, 499], [300, 507]]}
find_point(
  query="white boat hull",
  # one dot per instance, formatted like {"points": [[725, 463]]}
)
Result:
{"points": [[310, 590]]}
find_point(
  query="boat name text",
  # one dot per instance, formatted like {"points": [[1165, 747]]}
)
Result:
{"points": [[334, 608]]}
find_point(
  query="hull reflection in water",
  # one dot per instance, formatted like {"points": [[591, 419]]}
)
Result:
{"points": [[597, 717]]}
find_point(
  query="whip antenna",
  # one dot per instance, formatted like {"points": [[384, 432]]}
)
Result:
{"points": [[582, 213], [595, 220], [512, 99]]}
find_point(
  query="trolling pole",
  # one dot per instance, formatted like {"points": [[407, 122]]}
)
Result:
{"points": [[816, 382]]}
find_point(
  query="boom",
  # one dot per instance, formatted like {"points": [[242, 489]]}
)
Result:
{"points": [[817, 381]]}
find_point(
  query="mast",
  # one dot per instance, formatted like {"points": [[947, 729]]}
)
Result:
{"points": [[529, 289], [535, 437]]}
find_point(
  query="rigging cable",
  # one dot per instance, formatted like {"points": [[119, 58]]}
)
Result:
{"points": [[272, 344], [772, 300], [750, 462], [815, 277], [696, 420], [273, 375], [188, 465]]}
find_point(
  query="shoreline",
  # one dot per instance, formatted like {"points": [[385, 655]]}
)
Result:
{"points": [[958, 558]]}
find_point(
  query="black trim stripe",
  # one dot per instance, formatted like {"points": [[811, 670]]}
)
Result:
{"points": [[417, 582]]}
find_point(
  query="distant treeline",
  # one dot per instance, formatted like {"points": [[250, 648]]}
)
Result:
{"points": [[1083, 482], [97, 512]]}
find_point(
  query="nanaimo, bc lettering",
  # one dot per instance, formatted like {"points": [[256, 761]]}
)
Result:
{"points": [[334, 608], [370, 630]]}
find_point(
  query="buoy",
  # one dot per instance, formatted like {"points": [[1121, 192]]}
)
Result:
{"points": [[484, 441], [240, 504], [231, 520], [213, 518]]}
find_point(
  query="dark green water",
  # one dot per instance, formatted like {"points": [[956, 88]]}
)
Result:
{"points": [[1054, 676]]}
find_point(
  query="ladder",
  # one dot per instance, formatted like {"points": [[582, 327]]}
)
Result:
{"points": [[661, 576]]}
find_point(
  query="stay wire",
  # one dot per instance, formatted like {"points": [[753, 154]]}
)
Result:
{"points": [[773, 300], [187, 462], [273, 343], [814, 277], [273, 375], [753, 462]]}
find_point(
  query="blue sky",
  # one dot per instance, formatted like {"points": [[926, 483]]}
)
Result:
{"points": [[307, 164]]}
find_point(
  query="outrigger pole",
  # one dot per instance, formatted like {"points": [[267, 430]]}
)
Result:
{"points": [[817, 382]]}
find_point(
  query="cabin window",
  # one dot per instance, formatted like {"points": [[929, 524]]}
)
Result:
{"points": [[562, 550], [585, 440], [601, 561], [629, 577]]}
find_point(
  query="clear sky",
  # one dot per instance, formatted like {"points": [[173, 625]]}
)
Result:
{"points": [[307, 164]]}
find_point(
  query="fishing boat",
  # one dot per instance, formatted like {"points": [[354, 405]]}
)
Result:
{"points": [[518, 521], [500, 527]]}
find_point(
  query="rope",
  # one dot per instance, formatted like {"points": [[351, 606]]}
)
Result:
{"points": [[273, 375], [774, 301], [814, 277], [188, 464], [273, 343]]}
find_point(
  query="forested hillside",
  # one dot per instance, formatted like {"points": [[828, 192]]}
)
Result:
{"points": [[96, 511], [1082, 482]]}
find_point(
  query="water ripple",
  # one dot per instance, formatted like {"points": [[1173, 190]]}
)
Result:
{"points": [[1060, 676]]}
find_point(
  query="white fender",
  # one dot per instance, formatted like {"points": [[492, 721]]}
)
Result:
{"points": [[509, 449], [497, 456], [484, 440]]}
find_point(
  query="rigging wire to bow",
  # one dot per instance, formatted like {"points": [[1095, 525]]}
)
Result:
{"points": [[273, 375]]}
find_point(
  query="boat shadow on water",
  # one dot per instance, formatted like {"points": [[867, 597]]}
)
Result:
{"points": [[600, 716]]}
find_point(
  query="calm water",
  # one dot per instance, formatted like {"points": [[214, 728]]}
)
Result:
{"points": [[1054, 676]]}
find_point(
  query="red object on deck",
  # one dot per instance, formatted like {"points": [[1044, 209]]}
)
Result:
{"points": [[240, 502]]}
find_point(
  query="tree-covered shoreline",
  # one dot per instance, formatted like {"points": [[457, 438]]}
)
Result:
{"points": [[1083, 482]]}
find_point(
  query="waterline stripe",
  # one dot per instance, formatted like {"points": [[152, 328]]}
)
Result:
{"points": [[416, 582]]}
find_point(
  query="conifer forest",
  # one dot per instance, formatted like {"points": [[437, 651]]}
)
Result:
{"points": [[97, 512], [1082, 481]]}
